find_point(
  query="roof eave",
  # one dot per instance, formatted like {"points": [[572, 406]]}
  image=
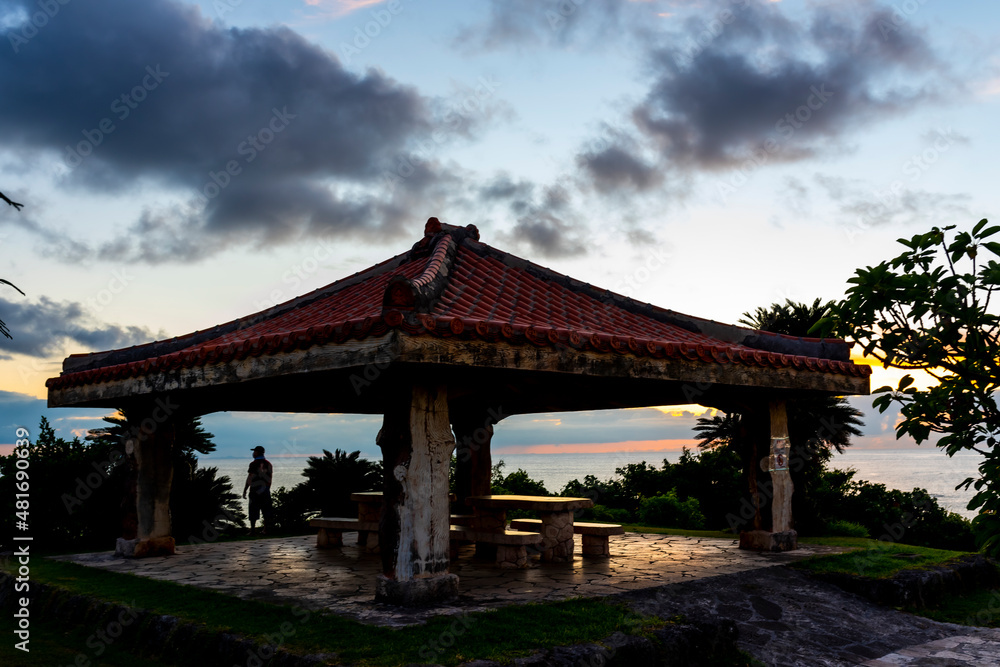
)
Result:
{"points": [[433, 356]]}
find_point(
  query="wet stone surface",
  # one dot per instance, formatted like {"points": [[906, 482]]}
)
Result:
{"points": [[786, 618], [981, 647]]}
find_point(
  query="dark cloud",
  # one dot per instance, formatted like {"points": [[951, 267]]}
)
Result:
{"points": [[523, 196], [794, 197], [540, 23], [615, 167], [861, 206], [642, 238], [154, 93], [748, 82], [503, 188], [547, 235], [40, 329], [544, 217]]}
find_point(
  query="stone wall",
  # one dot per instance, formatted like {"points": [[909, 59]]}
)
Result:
{"points": [[924, 587]]}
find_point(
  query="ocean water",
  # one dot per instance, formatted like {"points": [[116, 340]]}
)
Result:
{"points": [[927, 467]]}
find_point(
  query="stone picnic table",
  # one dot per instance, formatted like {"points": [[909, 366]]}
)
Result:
{"points": [[332, 528], [369, 512], [370, 504], [556, 514]]}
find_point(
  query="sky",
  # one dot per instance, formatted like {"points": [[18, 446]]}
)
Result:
{"points": [[182, 164]]}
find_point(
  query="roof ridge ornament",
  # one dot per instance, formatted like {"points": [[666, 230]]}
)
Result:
{"points": [[440, 245]]}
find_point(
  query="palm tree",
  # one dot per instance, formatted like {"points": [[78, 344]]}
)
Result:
{"points": [[822, 423], [816, 426], [790, 318]]}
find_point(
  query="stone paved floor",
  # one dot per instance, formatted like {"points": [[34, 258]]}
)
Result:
{"points": [[980, 648], [786, 619], [343, 580]]}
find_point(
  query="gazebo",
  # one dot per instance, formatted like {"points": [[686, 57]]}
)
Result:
{"points": [[445, 340]]}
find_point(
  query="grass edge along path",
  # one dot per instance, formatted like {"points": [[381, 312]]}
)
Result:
{"points": [[683, 532], [501, 635], [874, 559], [979, 608]]}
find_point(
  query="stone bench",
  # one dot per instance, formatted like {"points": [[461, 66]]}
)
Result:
{"points": [[595, 535], [332, 528], [511, 545], [462, 519]]}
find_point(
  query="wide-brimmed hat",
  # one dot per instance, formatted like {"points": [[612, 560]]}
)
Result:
{"points": [[258, 448]]}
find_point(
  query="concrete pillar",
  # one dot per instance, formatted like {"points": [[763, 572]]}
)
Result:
{"points": [[152, 436], [414, 532], [473, 461]]}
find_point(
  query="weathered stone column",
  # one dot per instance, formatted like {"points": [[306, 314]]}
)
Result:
{"points": [[781, 537], [416, 443], [474, 463], [152, 438], [781, 478]]}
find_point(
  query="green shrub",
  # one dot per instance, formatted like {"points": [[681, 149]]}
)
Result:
{"points": [[842, 528], [610, 494], [713, 477], [669, 511], [516, 483], [912, 517]]}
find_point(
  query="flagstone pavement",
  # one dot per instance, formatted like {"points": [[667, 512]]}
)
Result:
{"points": [[292, 570]]}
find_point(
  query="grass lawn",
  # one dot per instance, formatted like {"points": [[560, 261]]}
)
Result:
{"points": [[859, 542], [979, 608], [634, 528], [52, 645], [502, 635], [872, 558]]}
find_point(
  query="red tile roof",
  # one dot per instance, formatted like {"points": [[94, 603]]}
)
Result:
{"points": [[452, 285]]}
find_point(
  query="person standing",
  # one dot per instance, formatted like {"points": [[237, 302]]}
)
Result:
{"points": [[259, 484]]}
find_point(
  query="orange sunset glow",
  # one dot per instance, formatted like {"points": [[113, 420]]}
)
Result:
{"points": [[672, 445]]}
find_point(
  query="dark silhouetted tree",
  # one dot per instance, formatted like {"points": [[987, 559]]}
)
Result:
{"points": [[931, 309]]}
